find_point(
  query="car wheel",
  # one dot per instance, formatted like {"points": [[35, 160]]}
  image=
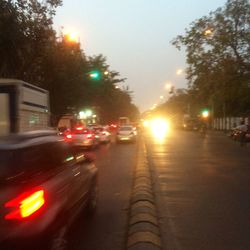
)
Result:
{"points": [[92, 200]]}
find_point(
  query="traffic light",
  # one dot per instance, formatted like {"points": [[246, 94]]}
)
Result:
{"points": [[95, 75], [205, 113]]}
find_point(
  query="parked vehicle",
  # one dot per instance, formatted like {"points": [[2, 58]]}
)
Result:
{"points": [[126, 133], [236, 134], [83, 137], [45, 184]]}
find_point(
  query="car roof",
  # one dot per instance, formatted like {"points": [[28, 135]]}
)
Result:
{"points": [[26, 139]]}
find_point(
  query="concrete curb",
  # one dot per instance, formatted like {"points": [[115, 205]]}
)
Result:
{"points": [[143, 226]]}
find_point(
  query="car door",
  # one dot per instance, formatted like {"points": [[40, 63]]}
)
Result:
{"points": [[69, 170], [88, 171]]}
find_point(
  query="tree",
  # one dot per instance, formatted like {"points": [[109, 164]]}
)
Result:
{"points": [[31, 51], [64, 75], [218, 58], [26, 28], [112, 102]]}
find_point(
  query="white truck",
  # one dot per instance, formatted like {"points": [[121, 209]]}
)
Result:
{"points": [[23, 107], [123, 121]]}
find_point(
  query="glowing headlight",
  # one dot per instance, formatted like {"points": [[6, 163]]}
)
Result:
{"points": [[145, 123], [159, 128]]}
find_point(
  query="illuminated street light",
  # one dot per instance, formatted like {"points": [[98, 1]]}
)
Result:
{"points": [[72, 37], [208, 32], [82, 115], [106, 73], [168, 86], [88, 112], [161, 97], [179, 72]]}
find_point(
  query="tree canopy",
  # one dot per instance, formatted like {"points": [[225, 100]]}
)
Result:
{"points": [[31, 50], [218, 58]]}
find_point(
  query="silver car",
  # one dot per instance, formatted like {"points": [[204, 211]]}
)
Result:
{"points": [[83, 137], [126, 133]]}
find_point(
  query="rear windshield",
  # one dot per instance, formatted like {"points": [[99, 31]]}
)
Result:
{"points": [[81, 132], [126, 128], [98, 129]]}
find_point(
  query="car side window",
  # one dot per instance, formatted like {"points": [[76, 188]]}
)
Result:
{"points": [[35, 157]]}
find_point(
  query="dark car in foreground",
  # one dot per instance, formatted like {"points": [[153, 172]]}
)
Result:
{"points": [[44, 185]]}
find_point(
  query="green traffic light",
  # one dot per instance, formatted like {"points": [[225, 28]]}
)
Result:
{"points": [[205, 113], [95, 75]]}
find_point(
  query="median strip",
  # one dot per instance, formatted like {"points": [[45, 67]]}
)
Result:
{"points": [[143, 231]]}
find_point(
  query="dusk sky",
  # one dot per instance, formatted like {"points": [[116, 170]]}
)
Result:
{"points": [[135, 36]]}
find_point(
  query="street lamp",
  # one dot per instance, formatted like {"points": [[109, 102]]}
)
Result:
{"points": [[168, 86], [106, 73], [208, 32], [179, 72], [72, 37]]}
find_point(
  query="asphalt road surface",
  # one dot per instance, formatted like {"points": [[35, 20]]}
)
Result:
{"points": [[202, 187], [107, 229]]}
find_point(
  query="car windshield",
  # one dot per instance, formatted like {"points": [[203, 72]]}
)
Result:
{"points": [[98, 129]]}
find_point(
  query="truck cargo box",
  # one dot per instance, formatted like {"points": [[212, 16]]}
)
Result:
{"points": [[23, 107]]}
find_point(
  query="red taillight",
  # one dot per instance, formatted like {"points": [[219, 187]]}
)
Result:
{"points": [[68, 137], [25, 204]]}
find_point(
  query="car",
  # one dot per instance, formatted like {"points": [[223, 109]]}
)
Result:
{"points": [[83, 137], [102, 133], [126, 133], [45, 185]]}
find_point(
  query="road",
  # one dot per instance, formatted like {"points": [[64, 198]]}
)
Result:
{"points": [[202, 188], [107, 228]]}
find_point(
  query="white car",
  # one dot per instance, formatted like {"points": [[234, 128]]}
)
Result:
{"points": [[103, 135], [126, 133], [83, 137]]}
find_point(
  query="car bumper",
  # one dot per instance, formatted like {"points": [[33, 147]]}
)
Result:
{"points": [[84, 143], [33, 227], [125, 138]]}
